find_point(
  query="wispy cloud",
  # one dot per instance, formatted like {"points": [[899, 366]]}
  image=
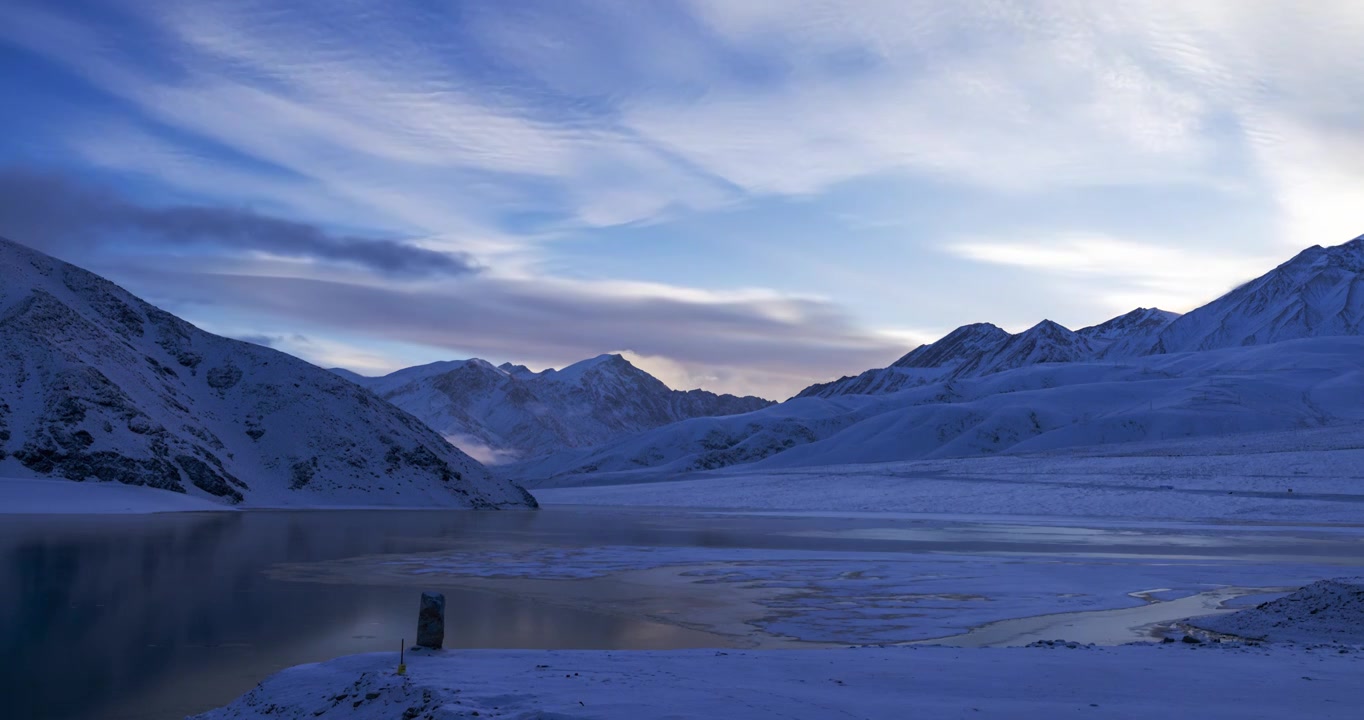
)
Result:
{"points": [[1015, 97], [1125, 274], [1216, 135], [624, 113], [393, 126]]}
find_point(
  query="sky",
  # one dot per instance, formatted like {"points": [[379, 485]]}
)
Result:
{"points": [[742, 195]]}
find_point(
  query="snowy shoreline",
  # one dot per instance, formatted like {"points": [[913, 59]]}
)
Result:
{"points": [[1312, 674], [48, 496], [1217, 680], [56, 496]]}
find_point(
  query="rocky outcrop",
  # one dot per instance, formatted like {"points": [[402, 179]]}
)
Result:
{"points": [[97, 385]]}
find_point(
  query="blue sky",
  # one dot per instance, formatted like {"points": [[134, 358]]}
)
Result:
{"points": [[744, 195]]}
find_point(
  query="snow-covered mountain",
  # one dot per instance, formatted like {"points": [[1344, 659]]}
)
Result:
{"points": [[1295, 384], [1045, 342], [947, 358], [1319, 293], [96, 384], [1278, 353], [1128, 335], [1316, 294], [974, 351], [508, 412]]}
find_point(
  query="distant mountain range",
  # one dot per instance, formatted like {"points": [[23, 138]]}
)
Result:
{"points": [[1318, 293], [508, 412], [96, 384], [1226, 367]]}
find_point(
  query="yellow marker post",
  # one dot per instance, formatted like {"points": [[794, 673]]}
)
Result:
{"points": [[402, 656]]}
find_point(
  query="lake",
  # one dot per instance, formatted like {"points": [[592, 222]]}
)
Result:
{"points": [[157, 616]]}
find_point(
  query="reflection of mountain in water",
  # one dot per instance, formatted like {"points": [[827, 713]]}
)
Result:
{"points": [[163, 615]]}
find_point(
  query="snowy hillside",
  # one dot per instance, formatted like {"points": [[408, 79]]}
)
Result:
{"points": [[1278, 353], [1328, 611], [1296, 384], [1289, 477], [982, 349], [508, 412], [1318, 293], [954, 355], [1128, 335], [96, 384]]}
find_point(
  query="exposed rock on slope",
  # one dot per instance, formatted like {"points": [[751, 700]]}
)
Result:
{"points": [[96, 384], [1329, 611], [509, 411]]}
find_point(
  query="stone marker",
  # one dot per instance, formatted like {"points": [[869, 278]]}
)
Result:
{"points": [[431, 621]]}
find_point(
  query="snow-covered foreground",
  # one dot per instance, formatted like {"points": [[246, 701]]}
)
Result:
{"points": [[1310, 476], [1207, 681], [50, 496]]}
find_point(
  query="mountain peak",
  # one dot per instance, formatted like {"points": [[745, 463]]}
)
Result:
{"points": [[1045, 342], [1132, 322], [1320, 292], [957, 346], [510, 412], [1048, 327], [612, 362]]}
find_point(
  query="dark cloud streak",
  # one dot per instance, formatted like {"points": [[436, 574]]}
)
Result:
{"points": [[61, 215], [496, 317]]}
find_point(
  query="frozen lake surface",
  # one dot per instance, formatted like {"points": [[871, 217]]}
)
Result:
{"points": [[161, 615]]}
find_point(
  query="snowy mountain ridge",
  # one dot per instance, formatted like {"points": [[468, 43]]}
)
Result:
{"points": [[1318, 293], [507, 411], [1296, 384], [982, 349], [1137, 323], [96, 384], [1280, 352]]}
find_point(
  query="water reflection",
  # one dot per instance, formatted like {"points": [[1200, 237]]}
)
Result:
{"points": [[157, 616]]}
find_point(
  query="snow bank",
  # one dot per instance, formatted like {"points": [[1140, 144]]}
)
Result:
{"points": [[50, 496], [1329, 611], [1306, 476], [1215, 681]]}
